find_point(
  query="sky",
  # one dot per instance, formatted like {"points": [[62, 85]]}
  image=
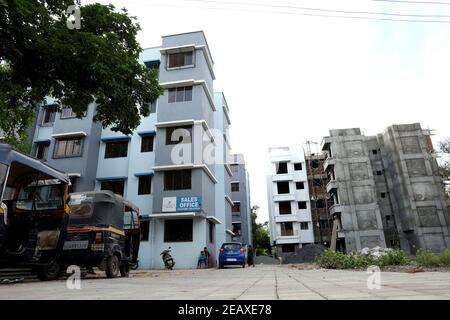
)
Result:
{"points": [[290, 77]]}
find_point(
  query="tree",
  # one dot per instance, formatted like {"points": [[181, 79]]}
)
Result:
{"points": [[40, 56], [444, 147], [260, 234]]}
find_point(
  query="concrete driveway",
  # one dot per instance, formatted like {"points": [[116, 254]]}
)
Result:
{"points": [[261, 282]]}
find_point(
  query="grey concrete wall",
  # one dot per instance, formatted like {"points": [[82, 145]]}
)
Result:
{"points": [[417, 198], [359, 211]]}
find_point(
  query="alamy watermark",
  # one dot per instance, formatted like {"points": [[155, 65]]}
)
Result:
{"points": [[73, 282], [374, 279], [74, 17]]}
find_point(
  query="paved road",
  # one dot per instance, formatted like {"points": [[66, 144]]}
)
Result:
{"points": [[261, 282]]}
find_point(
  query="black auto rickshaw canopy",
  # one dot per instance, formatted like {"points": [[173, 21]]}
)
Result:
{"points": [[97, 208], [21, 165]]}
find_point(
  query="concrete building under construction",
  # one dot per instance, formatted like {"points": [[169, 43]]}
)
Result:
{"points": [[320, 202], [385, 190]]}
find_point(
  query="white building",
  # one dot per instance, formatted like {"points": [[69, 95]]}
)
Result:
{"points": [[288, 196]]}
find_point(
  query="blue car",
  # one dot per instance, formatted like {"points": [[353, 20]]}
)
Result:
{"points": [[232, 253]]}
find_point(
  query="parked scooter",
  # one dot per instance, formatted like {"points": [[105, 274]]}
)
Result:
{"points": [[167, 259]]}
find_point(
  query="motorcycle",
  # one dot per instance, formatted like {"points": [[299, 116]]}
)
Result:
{"points": [[167, 259]]}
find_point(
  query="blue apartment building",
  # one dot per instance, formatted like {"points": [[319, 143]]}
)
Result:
{"points": [[176, 166]]}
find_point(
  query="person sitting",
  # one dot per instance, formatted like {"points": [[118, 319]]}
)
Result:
{"points": [[201, 260]]}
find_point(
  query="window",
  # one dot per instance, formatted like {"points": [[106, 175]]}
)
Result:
{"points": [[388, 218], [315, 164], [235, 186], [302, 205], [145, 230], [147, 144], [179, 230], [177, 180], [41, 151], [297, 166], [236, 228], [320, 204], [180, 94], [145, 185], [299, 185], [282, 168], [286, 229], [181, 59], [116, 186], [153, 107], [211, 229], [67, 112], [304, 226], [284, 207], [283, 187], [379, 172], [236, 207], [66, 148], [234, 168], [289, 247], [175, 135], [383, 194], [374, 152], [116, 149], [48, 115]]}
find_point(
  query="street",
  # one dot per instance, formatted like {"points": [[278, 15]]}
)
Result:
{"points": [[262, 282]]}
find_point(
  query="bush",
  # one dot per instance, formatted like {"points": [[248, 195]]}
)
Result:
{"points": [[426, 258], [330, 259], [393, 258], [445, 257]]}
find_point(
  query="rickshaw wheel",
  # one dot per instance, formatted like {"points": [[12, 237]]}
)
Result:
{"points": [[49, 272], [125, 270], [112, 266]]}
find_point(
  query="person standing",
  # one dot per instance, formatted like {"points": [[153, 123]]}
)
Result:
{"points": [[208, 257], [250, 256]]}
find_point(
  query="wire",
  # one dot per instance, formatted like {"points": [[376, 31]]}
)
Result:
{"points": [[291, 13], [321, 9], [415, 2]]}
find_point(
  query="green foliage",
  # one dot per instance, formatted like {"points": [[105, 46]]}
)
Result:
{"points": [[40, 56], [445, 257], [330, 259], [426, 258], [260, 235], [393, 258]]}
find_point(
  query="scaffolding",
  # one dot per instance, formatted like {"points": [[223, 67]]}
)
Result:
{"points": [[320, 202]]}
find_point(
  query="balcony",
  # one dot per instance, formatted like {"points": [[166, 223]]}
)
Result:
{"points": [[329, 162], [287, 239], [283, 177], [284, 197], [335, 208], [287, 218], [332, 184]]}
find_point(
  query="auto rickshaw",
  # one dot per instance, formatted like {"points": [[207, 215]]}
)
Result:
{"points": [[103, 232], [33, 214]]}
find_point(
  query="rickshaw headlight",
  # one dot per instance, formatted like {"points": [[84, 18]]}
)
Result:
{"points": [[98, 237]]}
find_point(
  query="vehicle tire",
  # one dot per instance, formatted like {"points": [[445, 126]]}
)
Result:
{"points": [[112, 267], [220, 266], [243, 266], [125, 270], [49, 272]]}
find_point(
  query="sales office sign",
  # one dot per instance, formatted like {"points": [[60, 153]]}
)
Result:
{"points": [[182, 203]]}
